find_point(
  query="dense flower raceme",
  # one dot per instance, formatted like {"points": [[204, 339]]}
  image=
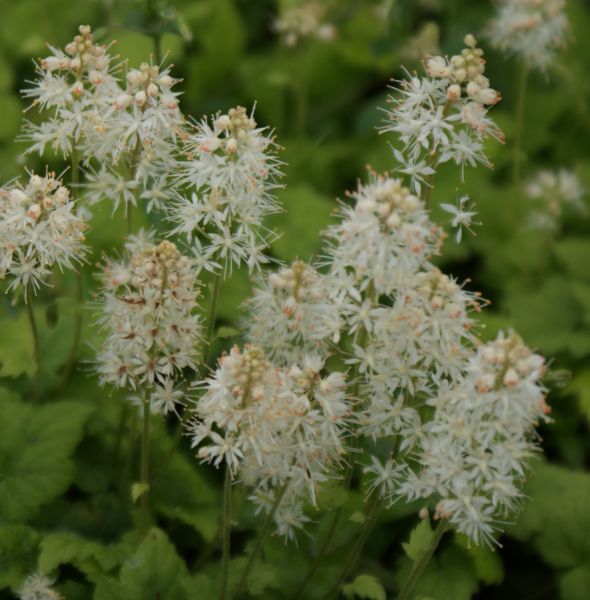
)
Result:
{"points": [[443, 116], [531, 29], [551, 192], [38, 587], [73, 87], [148, 307], [300, 21], [274, 426], [39, 229], [229, 175], [473, 453], [290, 314]]}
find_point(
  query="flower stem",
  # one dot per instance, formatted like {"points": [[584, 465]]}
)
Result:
{"points": [[259, 541], [145, 463], [214, 302], [77, 330], [226, 529], [420, 565], [520, 105], [34, 334], [370, 516]]}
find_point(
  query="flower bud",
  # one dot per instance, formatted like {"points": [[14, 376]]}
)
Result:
{"points": [[454, 92], [152, 90], [140, 98], [122, 101], [34, 211]]}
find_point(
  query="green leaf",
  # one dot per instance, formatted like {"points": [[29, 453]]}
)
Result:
{"points": [[488, 563], [574, 254], [580, 385], [90, 557], [364, 586], [36, 450], [16, 347], [556, 519], [18, 554], [419, 541], [154, 571], [138, 490], [574, 585]]}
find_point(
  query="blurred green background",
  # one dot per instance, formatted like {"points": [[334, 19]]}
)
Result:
{"points": [[323, 98]]}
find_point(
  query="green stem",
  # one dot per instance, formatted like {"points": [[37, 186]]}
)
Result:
{"points": [[34, 333], [420, 565], [226, 528], [145, 463], [212, 317], [259, 541], [130, 453], [520, 105], [77, 330], [370, 516]]}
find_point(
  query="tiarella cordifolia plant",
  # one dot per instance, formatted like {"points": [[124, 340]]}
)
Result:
{"points": [[229, 174], [473, 453], [443, 116], [149, 303], [295, 299], [39, 229], [533, 30], [551, 192], [72, 91]]}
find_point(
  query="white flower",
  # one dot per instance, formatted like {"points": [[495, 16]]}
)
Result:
{"points": [[531, 29], [148, 314], [462, 216], [37, 587], [303, 21], [39, 229]]}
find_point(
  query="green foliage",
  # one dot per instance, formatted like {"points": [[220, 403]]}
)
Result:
{"points": [[36, 450], [18, 553], [419, 541], [364, 586]]}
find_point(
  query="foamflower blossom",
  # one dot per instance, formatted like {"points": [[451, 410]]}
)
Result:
{"points": [[462, 216], [228, 178], [38, 587], [552, 192], [533, 30], [295, 300], [39, 229], [275, 427], [443, 116], [304, 20], [149, 315], [473, 454], [141, 125], [71, 91]]}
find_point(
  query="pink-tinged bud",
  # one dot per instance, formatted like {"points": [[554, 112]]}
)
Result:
{"points": [[71, 48], [231, 145], [437, 302], [165, 81], [78, 89], [473, 88], [52, 63], [436, 66], [122, 101], [222, 122], [485, 383], [169, 101], [134, 77], [489, 96], [102, 62], [47, 202], [75, 64], [140, 98], [511, 378], [152, 90], [393, 220], [95, 77], [454, 92], [34, 211]]}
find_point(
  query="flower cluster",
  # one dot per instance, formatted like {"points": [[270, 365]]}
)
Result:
{"points": [[304, 20], [38, 587], [551, 192], [230, 171], [443, 116], [140, 126], [75, 86], [39, 228], [473, 452], [531, 29], [278, 427], [148, 315], [295, 300]]}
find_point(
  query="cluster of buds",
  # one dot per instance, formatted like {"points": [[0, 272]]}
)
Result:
{"points": [[465, 70], [305, 21], [39, 228], [229, 174], [295, 300], [551, 192], [147, 85], [473, 453], [149, 302], [531, 29], [505, 363]]}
